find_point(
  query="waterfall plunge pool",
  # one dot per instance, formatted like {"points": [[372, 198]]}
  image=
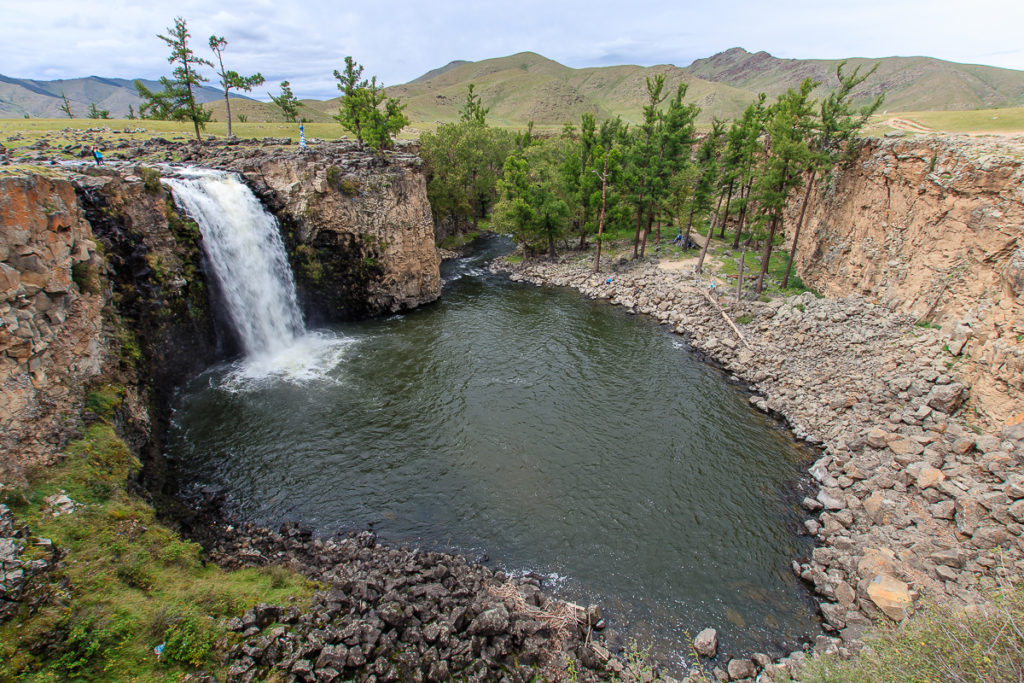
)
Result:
{"points": [[536, 429]]}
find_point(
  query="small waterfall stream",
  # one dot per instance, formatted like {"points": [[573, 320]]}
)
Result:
{"points": [[243, 245]]}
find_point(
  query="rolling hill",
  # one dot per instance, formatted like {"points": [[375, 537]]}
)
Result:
{"points": [[529, 87], [909, 83]]}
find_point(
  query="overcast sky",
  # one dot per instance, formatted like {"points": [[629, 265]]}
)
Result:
{"points": [[398, 41]]}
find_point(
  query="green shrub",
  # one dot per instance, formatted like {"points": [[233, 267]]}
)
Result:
{"points": [[744, 319], [150, 179], [190, 640]]}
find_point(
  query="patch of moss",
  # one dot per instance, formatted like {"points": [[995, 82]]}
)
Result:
{"points": [[87, 277]]}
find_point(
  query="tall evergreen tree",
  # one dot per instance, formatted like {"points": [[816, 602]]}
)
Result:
{"points": [[287, 101], [837, 128], [789, 129], [752, 127], [642, 166], [473, 111], [231, 79], [703, 193], [351, 84], [365, 109], [177, 100]]}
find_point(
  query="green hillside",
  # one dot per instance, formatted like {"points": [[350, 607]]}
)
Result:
{"points": [[909, 83], [528, 87]]}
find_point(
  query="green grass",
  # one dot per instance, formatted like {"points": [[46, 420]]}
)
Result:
{"points": [[1008, 120], [128, 583]]}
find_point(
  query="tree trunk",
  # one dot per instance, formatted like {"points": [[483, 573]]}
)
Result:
{"points": [[714, 217], [689, 225], [707, 243], [743, 262], [743, 214], [600, 222], [766, 256], [799, 223], [227, 106], [639, 222], [647, 229], [725, 216]]}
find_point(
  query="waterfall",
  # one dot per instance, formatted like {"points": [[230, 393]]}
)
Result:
{"points": [[243, 245]]}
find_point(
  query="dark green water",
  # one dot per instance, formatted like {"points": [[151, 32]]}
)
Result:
{"points": [[550, 433]]}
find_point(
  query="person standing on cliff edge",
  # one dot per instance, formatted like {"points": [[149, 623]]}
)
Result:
{"points": [[97, 155], [302, 137]]}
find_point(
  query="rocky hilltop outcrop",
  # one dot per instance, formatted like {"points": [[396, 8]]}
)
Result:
{"points": [[933, 227]]}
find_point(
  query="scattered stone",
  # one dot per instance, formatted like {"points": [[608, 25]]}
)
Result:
{"points": [[706, 643]]}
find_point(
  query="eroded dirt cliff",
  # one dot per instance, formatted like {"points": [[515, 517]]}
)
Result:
{"points": [[934, 227]]}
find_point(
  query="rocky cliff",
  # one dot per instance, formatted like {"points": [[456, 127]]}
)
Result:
{"points": [[933, 227], [360, 223], [50, 301], [99, 277], [357, 226]]}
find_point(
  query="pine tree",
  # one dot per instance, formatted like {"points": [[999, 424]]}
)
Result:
{"points": [[752, 127], [789, 128], [66, 107], [231, 79], [836, 131], [703, 192], [177, 100], [350, 111], [287, 101], [97, 113], [366, 110], [473, 110]]}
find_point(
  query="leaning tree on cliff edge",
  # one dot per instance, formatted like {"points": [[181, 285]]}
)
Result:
{"points": [[177, 100]]}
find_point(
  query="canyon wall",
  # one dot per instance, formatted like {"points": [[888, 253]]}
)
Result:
{"points": [[50, 330], [357, 226], [934, 227]]}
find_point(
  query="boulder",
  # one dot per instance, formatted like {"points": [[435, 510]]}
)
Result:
{"points": [[741, 668], [890, 595], [706, 643], [491, 622], [946, 398]]}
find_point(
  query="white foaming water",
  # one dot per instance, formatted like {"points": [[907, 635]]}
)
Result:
{"points": [[243, 245]]}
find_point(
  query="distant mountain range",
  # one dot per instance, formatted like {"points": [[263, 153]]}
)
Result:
{"points": [[527, 86], [42, 99]]}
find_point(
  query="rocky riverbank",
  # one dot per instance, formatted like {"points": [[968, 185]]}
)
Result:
{"points": [[913, 504], [389, 614]]}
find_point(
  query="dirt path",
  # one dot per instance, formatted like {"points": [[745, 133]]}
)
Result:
{"points": [[908, 125]]}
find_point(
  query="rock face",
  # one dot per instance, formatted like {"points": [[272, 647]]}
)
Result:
{"points": [[932, 227], [50, 329], [357, 226]]}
